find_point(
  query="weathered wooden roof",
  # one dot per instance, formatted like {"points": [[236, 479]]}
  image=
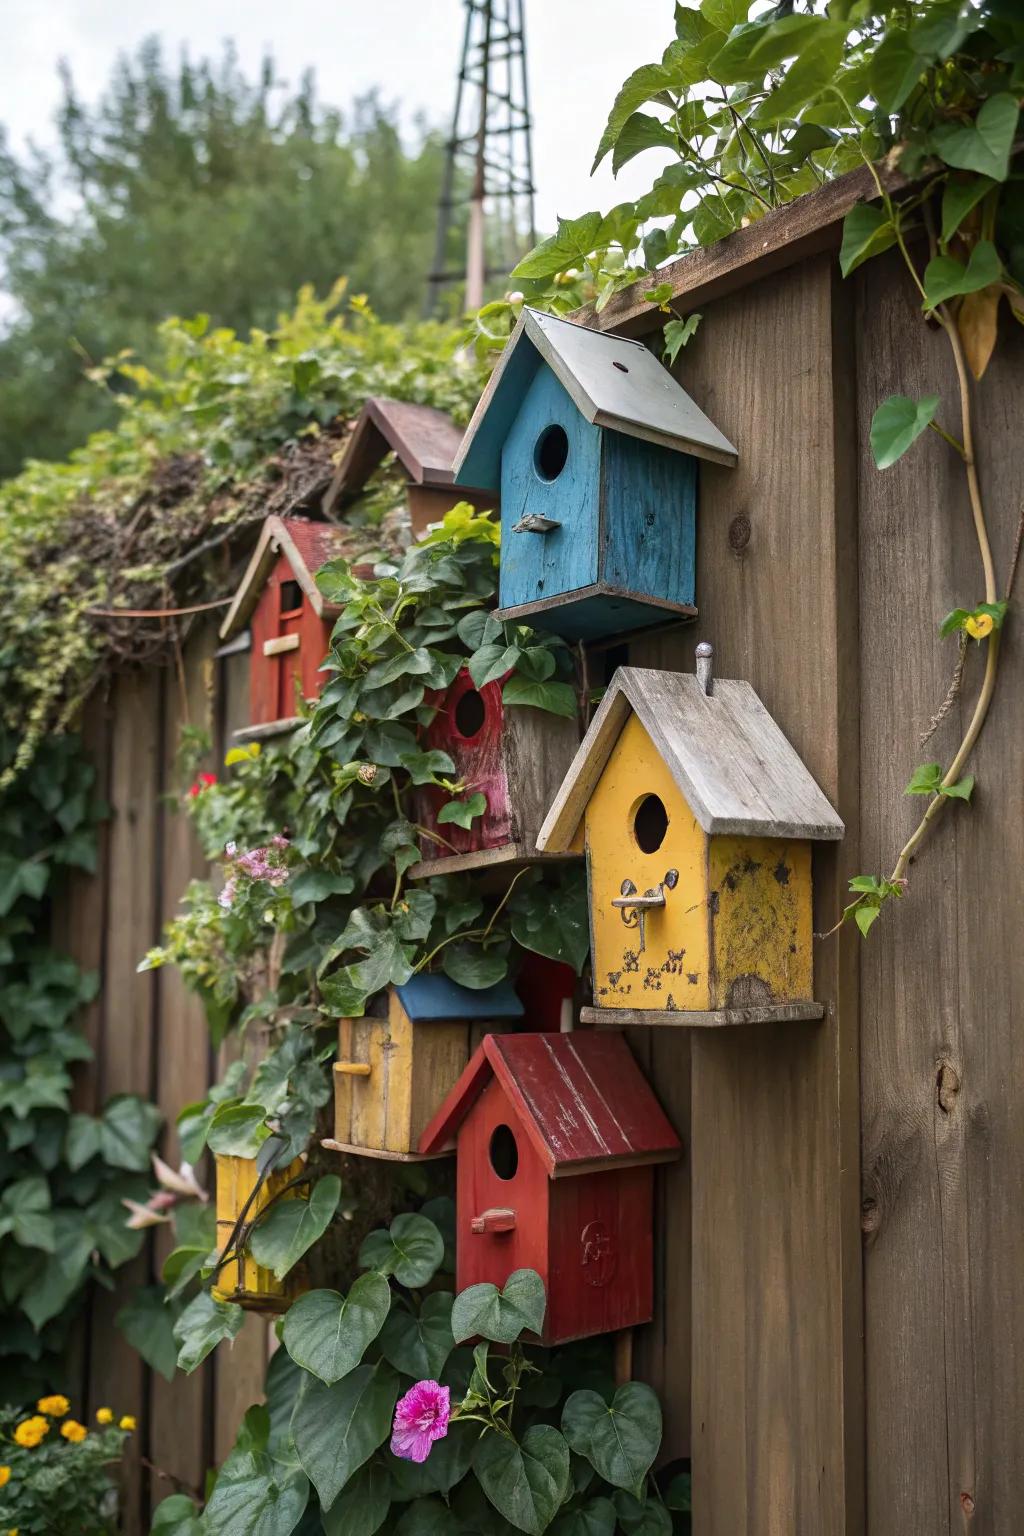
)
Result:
{"points": [[729, 759], [611, 381], [306, 546], [433, 998], [422, 438], [580, 1098]]}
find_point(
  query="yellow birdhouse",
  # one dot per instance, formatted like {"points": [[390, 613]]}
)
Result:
{"points": [[697, 819], [241, 1279], [393, 1070]]}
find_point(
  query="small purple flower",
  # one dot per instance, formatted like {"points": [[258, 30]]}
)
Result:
{"points": [[279, 841], [227, 895], [231, 850], [420, 1418]]}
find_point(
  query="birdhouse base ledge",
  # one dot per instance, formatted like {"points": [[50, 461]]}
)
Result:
{"points": [[330, 1145], [596, 611], [716, 1018]]}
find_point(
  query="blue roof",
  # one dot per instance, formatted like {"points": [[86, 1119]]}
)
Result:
{"points": [[436, 998]]}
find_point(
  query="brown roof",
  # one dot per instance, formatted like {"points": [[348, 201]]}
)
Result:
{"points": [[422, 438]]}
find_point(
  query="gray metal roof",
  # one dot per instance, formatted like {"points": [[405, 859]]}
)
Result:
{"points": [[730, 761], [614, 382]]}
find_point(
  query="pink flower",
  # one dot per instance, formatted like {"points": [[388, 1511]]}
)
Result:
{"points": [[227, 895], [420, 1418], [279, 841]]}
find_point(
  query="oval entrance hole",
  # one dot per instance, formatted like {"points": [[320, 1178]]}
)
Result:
{"points": [[503, 1152], [551, 452], [650, 823], [469, 714]]}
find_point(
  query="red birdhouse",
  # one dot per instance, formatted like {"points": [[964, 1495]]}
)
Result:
{"points": [[493, 746], [555, 1137], [290, 620]]}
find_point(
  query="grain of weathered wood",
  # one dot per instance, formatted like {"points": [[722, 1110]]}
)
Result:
{"points": [[941, 986], [118, 1377], [179, 1409], [713, 1018], [775, 1283]]}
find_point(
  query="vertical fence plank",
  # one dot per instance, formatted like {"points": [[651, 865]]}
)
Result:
{"points": [[180, 1410], [118, 1377]]}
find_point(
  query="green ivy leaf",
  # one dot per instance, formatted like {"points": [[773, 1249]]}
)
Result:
{"points": [[237, 1130], [897, 423], [641, 1517], [500, 1316], [424, 767], [893, 71], [620, 1439], [412, 1250], [318, 885], [147, 1322], [337, 1428], [327, 1334], [676, 334], [463, 812], [984, 144], [961, 790], [867, 231], [639, 132], [176, 1516], [595, 1518], [255, 1496], [25, 1213], [526, 1482], [556, 698], [945, 278], [491, 662], [362, 1505], [864, 916], [959, 197], [291, 1227], [418, 1344], [202, 1326], [425, 1517], [643, 84], [474, 967], [571, 244], [127, 1131], [925, 780]]}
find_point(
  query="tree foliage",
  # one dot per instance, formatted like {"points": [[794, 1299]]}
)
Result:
{"points": [[188, 190]]}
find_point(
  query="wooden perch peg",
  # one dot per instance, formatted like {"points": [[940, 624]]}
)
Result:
{"points": [[497, 1219]]}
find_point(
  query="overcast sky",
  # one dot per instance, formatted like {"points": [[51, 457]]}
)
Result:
{"points": [[579, 51]]}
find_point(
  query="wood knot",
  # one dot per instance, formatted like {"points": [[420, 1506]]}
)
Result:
{"points": [[739, 533], [870, 1215], [967, 1503], [947, 1086]]}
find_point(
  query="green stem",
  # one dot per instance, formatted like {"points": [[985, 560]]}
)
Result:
{"points": [[948, 437]]}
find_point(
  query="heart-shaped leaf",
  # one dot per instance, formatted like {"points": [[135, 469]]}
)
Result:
{"points": [[620, 1439], [327, 1333], [946, 278], [412, 1250], [897, 423], [500, 1315], [419, 1345], [426, 1517], [202, 1326], [647, 1517], [555, 698], [362, 1506], [867, 231], [336, 1429], [595, 1518], [255, 1496], [446, 1466], [527, 1482], [293, 1226], [473, 967], [984, 144]]}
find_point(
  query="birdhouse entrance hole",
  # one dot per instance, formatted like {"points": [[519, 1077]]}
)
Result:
{"points": [[291, 596], [470, 714], [503, 1152], [551, 452], [650, 823]]}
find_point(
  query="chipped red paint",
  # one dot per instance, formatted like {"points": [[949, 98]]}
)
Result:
{"points": [[479, 761]]}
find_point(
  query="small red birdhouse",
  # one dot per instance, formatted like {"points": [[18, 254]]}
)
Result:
{"points": [[555, 1137], [290, 620], [493, 746]]}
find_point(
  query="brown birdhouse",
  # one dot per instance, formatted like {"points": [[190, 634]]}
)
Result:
{"points": [[240, 1278], [556, 1137], [290, 620], [515, 756], [423, 441]]}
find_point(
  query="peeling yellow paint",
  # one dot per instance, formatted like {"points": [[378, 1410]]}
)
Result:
{"points": [[761, 941], [241, 1278]]}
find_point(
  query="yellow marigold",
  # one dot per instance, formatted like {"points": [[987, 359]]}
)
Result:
{"points": [[104, 1416], [30, 1431], [73, 1431], [5, 1476], [127, 1422], [57, 1405]]}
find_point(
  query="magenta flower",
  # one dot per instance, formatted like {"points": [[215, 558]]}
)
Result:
{"points": [[420, 1418]]}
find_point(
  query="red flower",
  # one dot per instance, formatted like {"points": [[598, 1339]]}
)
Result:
{"points": [[203, 782]]}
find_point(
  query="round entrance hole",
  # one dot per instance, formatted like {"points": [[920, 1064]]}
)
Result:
{"points": [[503, 1152], [551, 452], [469, 714], [650, 823]]}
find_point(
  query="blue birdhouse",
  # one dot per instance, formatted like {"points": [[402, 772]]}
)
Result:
{"points": [[593, 446]]}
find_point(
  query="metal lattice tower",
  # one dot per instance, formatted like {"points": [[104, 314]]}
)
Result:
{"points": [[489, 163]]}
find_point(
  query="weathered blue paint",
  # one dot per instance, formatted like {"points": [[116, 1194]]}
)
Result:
{"points": [[535, 565], [593, 615], [435, 998], [648, 527]]}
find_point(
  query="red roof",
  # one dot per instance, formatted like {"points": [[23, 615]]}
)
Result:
{"points": [[317, 542], [580, 1098]]}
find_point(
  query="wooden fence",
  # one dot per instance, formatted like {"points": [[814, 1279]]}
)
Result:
{"points": [[840, 1337]]}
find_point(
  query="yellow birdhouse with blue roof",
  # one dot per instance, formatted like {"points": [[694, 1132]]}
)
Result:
{"points": [[697, 818]]}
